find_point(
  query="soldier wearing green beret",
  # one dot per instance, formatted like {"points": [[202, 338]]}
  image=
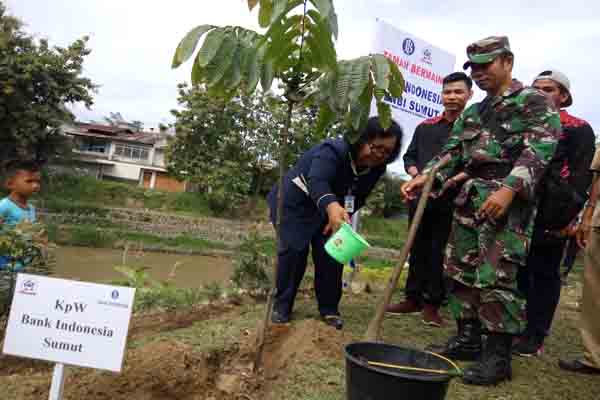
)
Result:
{"points": [[503, 146]]}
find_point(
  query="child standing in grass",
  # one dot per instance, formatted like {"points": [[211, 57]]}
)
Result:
{"points": [[22, 180]]}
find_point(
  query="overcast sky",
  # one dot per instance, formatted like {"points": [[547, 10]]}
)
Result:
{"points": [[132, 41]]}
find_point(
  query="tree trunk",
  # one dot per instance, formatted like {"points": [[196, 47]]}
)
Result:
{"points": [[260, 338]]}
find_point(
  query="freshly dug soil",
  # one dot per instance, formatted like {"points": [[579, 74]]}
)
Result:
{"points": [[169, 369]]}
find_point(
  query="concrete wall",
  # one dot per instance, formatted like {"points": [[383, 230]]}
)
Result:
{"points": [[159, 158], [123, 171]]}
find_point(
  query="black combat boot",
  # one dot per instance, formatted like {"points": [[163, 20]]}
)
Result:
{"points": [[495, 365], [466, 345]]}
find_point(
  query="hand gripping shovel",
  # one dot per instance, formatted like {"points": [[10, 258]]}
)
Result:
{"points": [[374, 329]]}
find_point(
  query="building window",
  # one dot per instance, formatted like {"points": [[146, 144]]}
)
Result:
{"points": [[132, 152], [94, 146]]}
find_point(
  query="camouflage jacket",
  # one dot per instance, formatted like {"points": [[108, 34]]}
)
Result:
{"points": [[531, 127]]}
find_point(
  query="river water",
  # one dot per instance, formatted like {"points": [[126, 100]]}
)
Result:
{"points": [[98, 265]]}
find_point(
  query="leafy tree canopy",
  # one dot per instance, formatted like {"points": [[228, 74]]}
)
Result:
{"points": [[37, 83]]}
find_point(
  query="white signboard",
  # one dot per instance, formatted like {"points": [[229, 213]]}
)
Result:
{"points": [[423, 66], [69, 322]]}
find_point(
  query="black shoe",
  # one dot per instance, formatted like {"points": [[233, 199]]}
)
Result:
{"points": [[465, 346], [279, 317], [577, 366], [529, 346], [495, 365], [334, 320]]}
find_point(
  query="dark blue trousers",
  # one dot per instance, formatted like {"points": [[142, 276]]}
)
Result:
{"points": [[425, 282], [328, 277]]}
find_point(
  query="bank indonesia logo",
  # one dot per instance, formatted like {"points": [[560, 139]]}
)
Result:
{"points": [[114, 294], [426, 56], [408, 46], [28, 287]]}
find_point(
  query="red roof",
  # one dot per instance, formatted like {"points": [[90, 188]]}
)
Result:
{"points": [[113, 133]]}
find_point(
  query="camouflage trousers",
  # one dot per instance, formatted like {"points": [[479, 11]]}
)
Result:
{"points": [[482, 260]]}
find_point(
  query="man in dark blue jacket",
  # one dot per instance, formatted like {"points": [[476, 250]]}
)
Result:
{"points": [[326, 186]]}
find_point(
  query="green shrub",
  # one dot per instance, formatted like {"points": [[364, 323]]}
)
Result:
{"points": [[213, 290], [165, 295], [251, 266], [89, 236]]}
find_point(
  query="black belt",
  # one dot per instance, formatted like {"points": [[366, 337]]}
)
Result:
{"points": [[490, 171]]}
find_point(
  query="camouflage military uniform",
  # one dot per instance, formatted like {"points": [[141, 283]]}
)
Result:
{"points": [[483, 255]]}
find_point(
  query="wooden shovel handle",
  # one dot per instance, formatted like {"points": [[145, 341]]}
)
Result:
{"points": [[373, 331]]}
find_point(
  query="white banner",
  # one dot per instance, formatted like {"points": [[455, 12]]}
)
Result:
{"points": [[69, 322], [423, 66]]}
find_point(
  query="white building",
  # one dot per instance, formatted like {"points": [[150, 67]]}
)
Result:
{"points": [[119, 153]]}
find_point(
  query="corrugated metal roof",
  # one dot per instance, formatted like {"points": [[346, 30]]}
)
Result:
{"points": [[112, 133]]}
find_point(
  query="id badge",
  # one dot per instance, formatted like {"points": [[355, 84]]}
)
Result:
{"points": [[349, 203]]}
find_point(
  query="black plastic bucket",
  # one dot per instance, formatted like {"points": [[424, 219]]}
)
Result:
{"points": [[368, 382]]}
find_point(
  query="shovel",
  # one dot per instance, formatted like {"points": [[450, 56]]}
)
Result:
{"points": [[374, 330]]}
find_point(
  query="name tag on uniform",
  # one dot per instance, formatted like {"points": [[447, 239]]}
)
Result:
{"points": [[349, 203]]}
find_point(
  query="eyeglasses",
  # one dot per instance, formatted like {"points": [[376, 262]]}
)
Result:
{"points": [[380, 150]]}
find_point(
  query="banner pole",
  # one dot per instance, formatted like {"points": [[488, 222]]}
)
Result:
{"points": [[58, 380]]}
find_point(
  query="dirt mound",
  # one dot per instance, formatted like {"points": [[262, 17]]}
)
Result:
{"points": [[159, 370], [141, 326], [12, 365], [303, 342], [169, 369]]}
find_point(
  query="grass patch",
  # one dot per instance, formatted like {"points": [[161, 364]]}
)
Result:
{"points": [[385, 242], [86, 195], [90, 236], [386, 233], [179, 242], [534, 378], [327, 377], [392, 229], [218, 333], [376, 263]]}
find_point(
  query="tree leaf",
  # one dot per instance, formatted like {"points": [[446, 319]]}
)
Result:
{"points": [[280, 47], [265, 12], [286, 59], [197, 76], [332, 20], [359, 78], [234, 75], [211, 46], [325, 118], [381, 71], [186, 47], [323, 6], [397, 83], [343, 85], [327, 11], [219, 65], [266, 76], [360, 109], [279, 8], [253, 73], [321, 43], [384, 112]]}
